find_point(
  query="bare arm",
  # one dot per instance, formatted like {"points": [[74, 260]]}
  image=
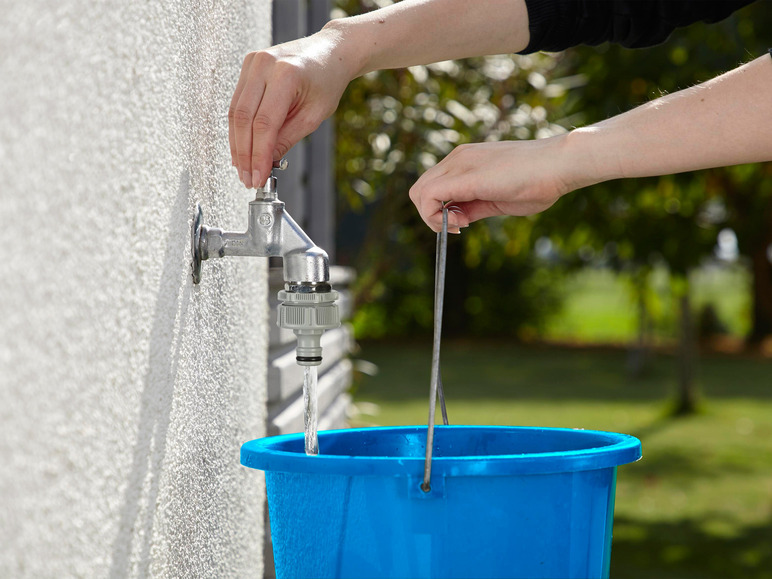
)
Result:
{"points": [[724, 121], [286, 91], [424, 31]]}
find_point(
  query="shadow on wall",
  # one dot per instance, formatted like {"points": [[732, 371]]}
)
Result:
{"points": [[156, 403]]}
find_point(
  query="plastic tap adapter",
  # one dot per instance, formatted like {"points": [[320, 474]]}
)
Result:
{"points": [[308, 314]]}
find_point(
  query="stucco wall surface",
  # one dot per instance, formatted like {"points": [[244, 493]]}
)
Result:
{"points": [[125, 391]]}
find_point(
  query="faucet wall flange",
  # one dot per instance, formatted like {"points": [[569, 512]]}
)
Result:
{"points": [[195, 243]]}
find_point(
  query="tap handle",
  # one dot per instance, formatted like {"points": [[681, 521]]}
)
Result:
{"points": [[268, 191]]}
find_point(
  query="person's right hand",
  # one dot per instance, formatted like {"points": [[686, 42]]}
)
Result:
{"points": [[283, 94], [497, 178]]}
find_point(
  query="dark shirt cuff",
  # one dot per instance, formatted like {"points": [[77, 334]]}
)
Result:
{"points": [[555, 25]]}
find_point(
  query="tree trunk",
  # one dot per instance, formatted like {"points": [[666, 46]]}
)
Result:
{"points": [[455, 320], [762, 295], [639, 353], [686, 400]]}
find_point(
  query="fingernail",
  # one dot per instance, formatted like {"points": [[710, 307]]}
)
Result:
{"points": [[233, 163], [246, 179], [256, 178]]}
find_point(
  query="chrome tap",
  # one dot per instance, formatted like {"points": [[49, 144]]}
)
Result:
{"points": [[307, 301]]}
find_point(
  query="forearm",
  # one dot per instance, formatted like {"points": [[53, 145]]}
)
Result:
{"points": [[424, 31], [724, 121]]}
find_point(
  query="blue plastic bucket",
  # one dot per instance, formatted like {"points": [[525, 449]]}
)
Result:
{"points": [[504, 501]]}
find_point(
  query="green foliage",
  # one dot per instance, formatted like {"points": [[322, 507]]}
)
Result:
{"points": [[393, 125], [672, 219], [598, 308]]}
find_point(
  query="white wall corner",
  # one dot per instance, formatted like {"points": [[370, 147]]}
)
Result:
{"points": [[126, 390]]}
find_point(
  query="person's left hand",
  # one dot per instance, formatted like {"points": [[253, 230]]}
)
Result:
{"points": [[487, 179]]}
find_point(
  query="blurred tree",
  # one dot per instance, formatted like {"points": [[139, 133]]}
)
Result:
{"points": [[674, 218], [391, 126], [748, 197]]}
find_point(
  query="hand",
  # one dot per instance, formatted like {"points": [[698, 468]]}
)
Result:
{"points": [[487, 179], [283, 94]]}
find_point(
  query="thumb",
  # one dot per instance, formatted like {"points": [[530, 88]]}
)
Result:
{"points": [[471, 211]]}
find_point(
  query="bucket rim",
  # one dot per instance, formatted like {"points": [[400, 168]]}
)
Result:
{"points": [[611, 449]]}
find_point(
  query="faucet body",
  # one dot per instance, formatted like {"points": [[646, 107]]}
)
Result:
{"points": [[271, 232], [308, 301]]}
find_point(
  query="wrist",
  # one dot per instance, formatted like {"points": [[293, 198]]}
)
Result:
{"points": [[589, 157], [352, 47]]}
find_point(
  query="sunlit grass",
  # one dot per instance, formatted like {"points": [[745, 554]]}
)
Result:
{"points": [[600, 306]]}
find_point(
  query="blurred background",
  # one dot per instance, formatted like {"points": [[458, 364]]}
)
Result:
{"points": [[640, 306]]}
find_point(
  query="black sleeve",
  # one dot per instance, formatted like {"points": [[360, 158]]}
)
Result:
{"points": [[559, 24]]}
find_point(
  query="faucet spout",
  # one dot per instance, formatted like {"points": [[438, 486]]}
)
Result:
{"points": [[304, 262]]}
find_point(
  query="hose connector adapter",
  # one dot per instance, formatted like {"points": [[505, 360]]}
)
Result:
{"points": [[308, 310]]}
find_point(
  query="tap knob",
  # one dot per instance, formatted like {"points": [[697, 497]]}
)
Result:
{"points": [[281, 164], [268, 191]]}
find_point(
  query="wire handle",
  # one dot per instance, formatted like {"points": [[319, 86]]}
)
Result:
{"points": [[436, 380]]}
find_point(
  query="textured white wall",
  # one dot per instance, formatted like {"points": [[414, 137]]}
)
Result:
{"points": [[125, 392]]}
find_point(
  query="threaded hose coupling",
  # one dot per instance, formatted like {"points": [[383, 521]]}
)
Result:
{"points": [[308, 315]]}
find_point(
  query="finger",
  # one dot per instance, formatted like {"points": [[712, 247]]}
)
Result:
{"points": [[429, 197], [467, 213], [244, 117], [439, 171], [478, 209], [457, 219], [232, 108], [454, 228], [421, 196], [453, 178], [269, 118]]}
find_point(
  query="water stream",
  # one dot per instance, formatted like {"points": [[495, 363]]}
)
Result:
{"points": [[310, 411]]}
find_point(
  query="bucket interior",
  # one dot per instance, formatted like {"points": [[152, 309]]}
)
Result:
{"points": [[455, 442]]}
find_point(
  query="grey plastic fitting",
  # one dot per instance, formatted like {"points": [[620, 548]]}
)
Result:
{"points": [[308, 315]]}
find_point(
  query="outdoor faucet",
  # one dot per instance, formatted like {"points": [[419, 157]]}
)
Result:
{"points": [[307, 301]]}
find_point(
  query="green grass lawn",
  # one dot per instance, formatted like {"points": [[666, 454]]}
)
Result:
{"points": [[600, 307], [699, 504]]}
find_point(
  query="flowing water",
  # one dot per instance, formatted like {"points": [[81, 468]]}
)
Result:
{"points": [[310, 411]]}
